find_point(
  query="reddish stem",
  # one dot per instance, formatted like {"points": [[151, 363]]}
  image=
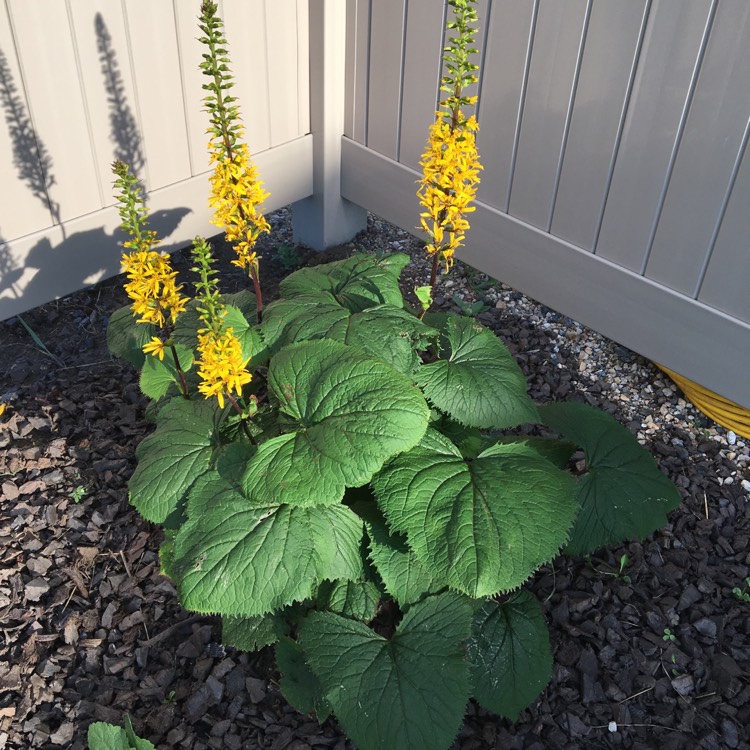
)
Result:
{"points": [[258, 294], [179, 372], [243, 421]]}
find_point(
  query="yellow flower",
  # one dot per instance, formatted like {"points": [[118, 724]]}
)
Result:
{"points": [[151, 282], [3, 407], [221, 365], [156, 347], [152, 287], [236, 193], [449, 183]]}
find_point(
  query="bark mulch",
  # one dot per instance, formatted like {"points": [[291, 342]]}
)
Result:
{"points": [[655, 655]]}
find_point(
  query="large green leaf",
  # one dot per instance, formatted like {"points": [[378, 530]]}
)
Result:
{"points": [[355, 599], [557, 452], [158, 374], [299, 684], [623, 495], [302, 318], [384, 331], [173, 457], [103, 736], [510, 655], [249, 338], [356, 283], [389, 333], [477, 382], [406, 693], [351, 412], [251, 633], [126, 337], [404, 577], [480, 526], [237, 558]]}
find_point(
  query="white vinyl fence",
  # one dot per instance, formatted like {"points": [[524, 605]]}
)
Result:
{"points": [[84, 82], [616, 183], [614, 135]]}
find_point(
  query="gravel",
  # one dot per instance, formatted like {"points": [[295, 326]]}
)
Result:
{"points": [[92, 630]]}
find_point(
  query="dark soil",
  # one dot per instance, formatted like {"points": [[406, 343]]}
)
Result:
{"points": [[655, 655]]}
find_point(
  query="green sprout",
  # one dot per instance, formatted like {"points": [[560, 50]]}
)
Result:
{"points": [[742, 595], [77, 494]]}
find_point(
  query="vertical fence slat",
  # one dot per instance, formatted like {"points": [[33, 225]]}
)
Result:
{"points": [[56, 105], [357, 69], [725, 282], [108, 85], [610, 47], [634, 63], [303, 67], [665, 66], [569, 114], [247, 47], [158, 82], [686, 109], [281, 35], [522, 102], [704, 164], [553, 63], [424, 41], [190, 50], [384, 94], [21, 212], [502, 86]]}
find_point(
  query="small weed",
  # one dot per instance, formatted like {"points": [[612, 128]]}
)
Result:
{"points": [[469, 308], [287, 256], [624, 560], [676, 671], [169, 699], [40, 345], [77, 494], [743, 595], [624, 577], [668, 635]]}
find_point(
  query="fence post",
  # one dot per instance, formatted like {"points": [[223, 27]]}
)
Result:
{"points": [[326, 219]]}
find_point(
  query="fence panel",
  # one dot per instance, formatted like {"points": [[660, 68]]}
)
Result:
{"points": [[125, 85], [612, 45], [616, 177]]}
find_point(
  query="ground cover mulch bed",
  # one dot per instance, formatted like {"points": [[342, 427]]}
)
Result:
{"points": [[653, 655]]}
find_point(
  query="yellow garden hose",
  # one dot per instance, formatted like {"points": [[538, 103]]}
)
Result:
{"points": [[724, 412]]}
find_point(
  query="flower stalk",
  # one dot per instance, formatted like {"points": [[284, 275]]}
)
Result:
{"points": [[450, 163], [156, 297], [221, 365], [236, 190]]}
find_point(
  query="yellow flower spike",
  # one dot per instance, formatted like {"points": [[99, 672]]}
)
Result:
{"points": [[236, 191], [151, 282], [221, 366]]}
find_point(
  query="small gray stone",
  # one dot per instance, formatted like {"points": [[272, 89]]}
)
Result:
{"points": [[35, 589], [706, 627], [197, 704], [576, 726], [216, 688], [256, 689], [729, 733], [690, 596], [684, 684]]}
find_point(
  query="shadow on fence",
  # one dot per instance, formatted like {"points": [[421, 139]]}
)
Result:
{"points": [[124, 131], [53, 268]]}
